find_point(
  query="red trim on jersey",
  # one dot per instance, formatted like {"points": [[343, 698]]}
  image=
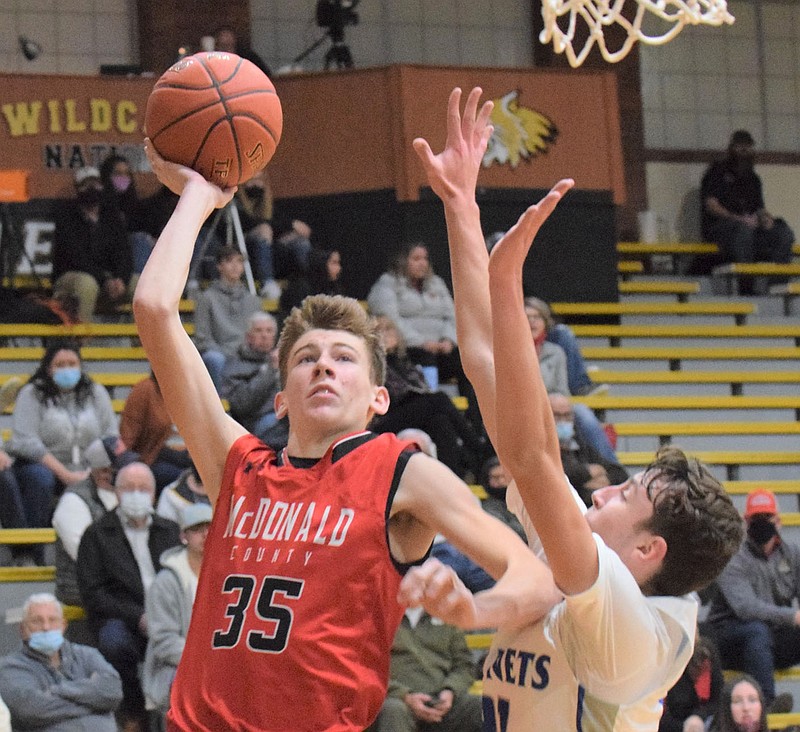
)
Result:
{"points": [[296, 606]]}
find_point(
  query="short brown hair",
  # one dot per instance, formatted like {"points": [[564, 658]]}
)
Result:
{"points": [[332, 312], [696, 518]]}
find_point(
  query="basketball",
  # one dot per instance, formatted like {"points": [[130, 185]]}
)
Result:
{"points": [[216, 113]]}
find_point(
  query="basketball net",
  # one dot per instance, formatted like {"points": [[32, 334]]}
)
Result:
{"points": [[601, 14]]}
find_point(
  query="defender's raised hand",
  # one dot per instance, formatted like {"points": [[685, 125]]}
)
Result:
{"points": [[454, 171], [510, 252]]}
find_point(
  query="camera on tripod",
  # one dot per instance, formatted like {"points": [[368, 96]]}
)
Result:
{"points": [[336, 14]]}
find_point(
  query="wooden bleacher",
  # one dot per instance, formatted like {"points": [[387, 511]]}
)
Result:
{"points": [[788, 292], [736, 379], [614, 333], [730, 460], [738, 310], [666, 431], [676, 355], [680, 289]]}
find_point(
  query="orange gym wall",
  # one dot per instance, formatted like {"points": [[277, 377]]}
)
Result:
{"points": [[343, 132]]}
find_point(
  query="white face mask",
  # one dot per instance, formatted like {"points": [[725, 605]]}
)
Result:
{"points": [[136, 504]]}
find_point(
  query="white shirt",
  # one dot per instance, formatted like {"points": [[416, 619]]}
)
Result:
{"points": [[600, 660], [138, 539], [72, 516]]}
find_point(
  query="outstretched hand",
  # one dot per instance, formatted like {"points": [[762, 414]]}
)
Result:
{"points": [[510, 252], [454, 171], [437, 588], [178, 177]]}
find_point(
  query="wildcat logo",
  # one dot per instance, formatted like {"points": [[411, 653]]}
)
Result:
{"points": [[519, 133]]}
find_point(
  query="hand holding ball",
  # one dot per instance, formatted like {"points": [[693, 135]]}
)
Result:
{"points": [[216, 113]]}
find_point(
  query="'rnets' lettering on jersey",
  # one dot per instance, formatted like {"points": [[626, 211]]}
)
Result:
{"points": [[518, 667], [290, 522]]}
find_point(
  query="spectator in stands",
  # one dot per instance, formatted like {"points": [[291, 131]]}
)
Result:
{"points": [[420, 305], [169, 605], [83, 503], [251, 379], [553, 366], [696, 696], [187, 490], [580, 383], [227, 39], [429, 679], [752, 617], [742, 707], [253, 201], [733, 211], [585, 467], [495, 480], [119, 189], [222, 312], [12, 510], [52, 685], [322, 277], [58, 414], [91, 253], [473, 576], [412, 403], [146, 428], [118, 558]]}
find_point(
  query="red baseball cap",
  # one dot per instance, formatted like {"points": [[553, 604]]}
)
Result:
{"points": [[760, 501]]}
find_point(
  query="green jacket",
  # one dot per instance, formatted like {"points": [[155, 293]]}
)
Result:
{"points": [[428, 658]]}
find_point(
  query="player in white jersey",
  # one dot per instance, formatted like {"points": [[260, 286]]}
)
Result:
{"points": [[605, 655]]}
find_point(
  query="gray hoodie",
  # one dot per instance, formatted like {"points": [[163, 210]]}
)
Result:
{"points": [[221, 315], [169, 610]]}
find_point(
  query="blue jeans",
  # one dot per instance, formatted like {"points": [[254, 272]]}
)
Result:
{"points": [[142, 244], [215, 363], [475, 578], [124, 649], [259, 252], [577, 377], [758, 649], [37, 485], [590, 429]]}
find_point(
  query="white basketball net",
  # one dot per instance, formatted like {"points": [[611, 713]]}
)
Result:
{"points": [[601, 14]]}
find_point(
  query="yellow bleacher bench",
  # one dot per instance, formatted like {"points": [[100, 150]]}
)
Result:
{"points": [[27, 574], [731, 460], [27, 536], [615, 332], [629, 267], [739, 310], [689, 353], [743, 487], [691, 401], [681, 290], [757, 269], [667, 431], [671, 247], [735, 378], [88, 353]]}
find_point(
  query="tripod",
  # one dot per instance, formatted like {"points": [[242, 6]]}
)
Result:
{"points": [[338, 54], [233, 226]]}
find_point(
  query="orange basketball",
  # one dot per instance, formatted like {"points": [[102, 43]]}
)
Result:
{"points": [[217, 113]]}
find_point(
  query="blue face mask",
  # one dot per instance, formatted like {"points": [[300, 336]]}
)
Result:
{"points": [[67, 378], [46, 641], [565, 431]]}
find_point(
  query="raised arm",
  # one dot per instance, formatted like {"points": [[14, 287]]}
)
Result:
{"points": [[188, 391], [453, 175], [526, 435]]}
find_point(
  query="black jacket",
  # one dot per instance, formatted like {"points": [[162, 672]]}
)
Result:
{"points": [[108, 575]]}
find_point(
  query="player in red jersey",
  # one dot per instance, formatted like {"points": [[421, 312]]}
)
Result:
{"points": [[297, 606]]}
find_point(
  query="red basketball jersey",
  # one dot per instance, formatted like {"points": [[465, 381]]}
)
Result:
{"points": [[296, 607]]}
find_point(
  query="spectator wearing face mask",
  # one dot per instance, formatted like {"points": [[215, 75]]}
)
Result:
{"points": [[118, 558], [752, 617], [52, 685], [80, 505], [585, 467], [119, 192], [91, 253]]}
